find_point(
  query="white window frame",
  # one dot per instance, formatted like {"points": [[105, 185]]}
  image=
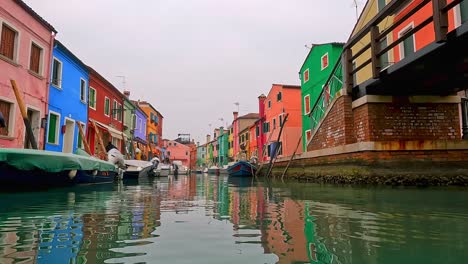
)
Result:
{"points": [[401, 45], [59, 85], [17, 41], [308, 75], [57, 131], [41, 58], [85, 94], [457, 16], [95, 96], [305, 105], [12, 120], [107, 98], [321, 61]]}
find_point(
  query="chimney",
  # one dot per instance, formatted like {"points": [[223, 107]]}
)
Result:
{"points": [[235, 115], [208, 138], [261, 105], [127, 94]]}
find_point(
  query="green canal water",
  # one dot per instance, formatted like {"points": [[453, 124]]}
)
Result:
{"points": [[210, 219]]}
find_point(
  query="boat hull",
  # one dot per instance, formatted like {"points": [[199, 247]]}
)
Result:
{"points": [[84, 177], [242, 169]]}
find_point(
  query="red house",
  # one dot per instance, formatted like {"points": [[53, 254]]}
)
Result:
{"points": [[105, 110]]}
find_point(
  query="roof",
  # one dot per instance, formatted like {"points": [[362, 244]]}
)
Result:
{"points": [[104, 80], [135, 103], [249, 116], [69, 53], [359, 18], [288, 86], [35, 15], [340, 44], [152, 107]]}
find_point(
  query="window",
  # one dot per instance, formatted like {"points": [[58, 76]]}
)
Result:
{"points": [[134, 121], [381, 4], [306, 104], [83, 90], [6, 108], [169, 143], [168, 153], [247, 136], [35, 58], [324, 61], [186, 153], [57, 73], [202, 156], [9, 42], [306, 75], [114, 110], [106, 106], [280, 117], [116, 142], [274, 123], [279, 96], [464, 11], [269, 104], [119, 112], [92, 98], [308, 135], [384, 63], [53, 128], [257, 131], [407, 46], [175, 144]]}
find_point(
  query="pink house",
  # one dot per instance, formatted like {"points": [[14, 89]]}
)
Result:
{"points": [[177, 151], [26, 42]]}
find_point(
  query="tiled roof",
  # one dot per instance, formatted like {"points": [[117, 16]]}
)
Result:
{"points": [[250, 116], [35, 15]]}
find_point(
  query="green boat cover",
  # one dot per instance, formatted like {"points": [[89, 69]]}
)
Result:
{"points": [[30, 159]]}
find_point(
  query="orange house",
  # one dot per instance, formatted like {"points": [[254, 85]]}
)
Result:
{"points": [[281, 100], [152, 134], [426, 35]]}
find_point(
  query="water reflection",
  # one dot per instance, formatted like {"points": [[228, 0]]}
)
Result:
{"points": [[211, 219]]}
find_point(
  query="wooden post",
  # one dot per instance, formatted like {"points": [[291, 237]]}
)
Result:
{"points": [[278, 140], [83, 138], [101, 143], [24, 114], [292, 157], [348, 68], [375, 49], [264, 152], [440, 20]]}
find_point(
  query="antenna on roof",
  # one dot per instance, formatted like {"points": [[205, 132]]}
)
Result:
{"points": [[237, 103], [355, 4], [123, 81]]}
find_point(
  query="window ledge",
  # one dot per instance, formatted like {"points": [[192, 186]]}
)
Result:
{"points": [[57, 87], [83, 102], [6, 59], [7, 137], [36, 75]]}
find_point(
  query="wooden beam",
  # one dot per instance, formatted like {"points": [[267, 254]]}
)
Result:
{"points": [[83, 138], [24, 113], [101, 143], [278, 140], [292, 157], [375, 48], [440, 20], [347, 70]]}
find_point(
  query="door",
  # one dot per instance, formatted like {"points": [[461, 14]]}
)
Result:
{"points": [[35, 121], [68, 136]]}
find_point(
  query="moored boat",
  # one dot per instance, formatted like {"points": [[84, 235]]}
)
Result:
{"points": [[138, 168], [242, 169], [213, 170], [40, 168]]}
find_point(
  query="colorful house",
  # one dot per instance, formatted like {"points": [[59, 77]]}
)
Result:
{"points": [[152, 129], [105, 114], [139, 131], [254, 131], [177, 151], [260, 129], [239, 124], [129, 110], [223, 146], [244, 142], [281, 100], [26, 42], [159, 127], [314, 73], [230, 143], [201, 155], [68, 101]]}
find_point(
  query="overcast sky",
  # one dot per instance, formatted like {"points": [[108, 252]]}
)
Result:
{"points": [[193, 59]]}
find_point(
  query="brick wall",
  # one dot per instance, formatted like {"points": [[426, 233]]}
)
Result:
{"points": [[337, 127], [405, 121]]}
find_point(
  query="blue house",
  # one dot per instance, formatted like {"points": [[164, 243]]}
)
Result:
{"points": [[68, 101]]}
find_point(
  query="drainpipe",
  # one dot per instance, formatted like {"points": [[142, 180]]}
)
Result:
{"points": [[51, 50]]}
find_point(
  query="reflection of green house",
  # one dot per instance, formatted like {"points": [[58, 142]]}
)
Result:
{"points": [[316, 250], [315, 71]]}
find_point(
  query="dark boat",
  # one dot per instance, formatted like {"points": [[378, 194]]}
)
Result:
{"points": [[24, 168], [242, 169]]}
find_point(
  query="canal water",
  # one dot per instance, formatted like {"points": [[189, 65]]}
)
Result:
{"points": [[211, 219]]}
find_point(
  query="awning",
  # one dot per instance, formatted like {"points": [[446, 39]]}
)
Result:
{"points": [[112, 131]]}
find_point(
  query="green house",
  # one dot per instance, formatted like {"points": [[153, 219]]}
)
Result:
{"points": [[314, 72]]}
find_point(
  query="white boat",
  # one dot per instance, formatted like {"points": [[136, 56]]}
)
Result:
{"points": [[213, 170], [162, 170], [183, 170], [137, 168]]}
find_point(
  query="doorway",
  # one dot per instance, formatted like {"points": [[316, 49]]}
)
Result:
{"points": [[34, 118], [69, 136]]}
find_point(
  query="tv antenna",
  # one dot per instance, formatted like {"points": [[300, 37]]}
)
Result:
{"points": [[237, 104], [124, 82]]}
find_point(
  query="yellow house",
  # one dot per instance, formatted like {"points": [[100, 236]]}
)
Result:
{"points": [[231, 143], [371, 9], [244, 142]]}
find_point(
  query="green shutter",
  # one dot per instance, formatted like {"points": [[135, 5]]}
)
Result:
{"points": [[384, 57], [381, 4], [464, 11], [107, 106], [52, 137], [92, 98], [408, 46]]}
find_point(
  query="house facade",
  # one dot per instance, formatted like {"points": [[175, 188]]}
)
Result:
{"points": [[223, 147], [105, 112], [152, 135], [139, 132], [239, 124], [201, 155], [254, 131], [177, 151], [244, 142], [281, 100], [314, 73], [68, 101], [260, 139], [230, 143], [26, 43], [159, 127], [129, 116]]}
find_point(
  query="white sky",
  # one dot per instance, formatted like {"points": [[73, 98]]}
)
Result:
{"points": [[192, 59]]}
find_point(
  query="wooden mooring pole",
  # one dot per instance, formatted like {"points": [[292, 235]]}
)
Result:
{"points": [[83, 138], [292, 157], [24, 114], [277, 150]]}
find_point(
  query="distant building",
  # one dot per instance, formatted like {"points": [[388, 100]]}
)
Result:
{"points": [[139, 132], [239, 124], [177, 151], [152, 129]]}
